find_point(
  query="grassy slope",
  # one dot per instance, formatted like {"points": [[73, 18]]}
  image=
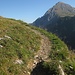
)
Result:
{"points": [[59, 55], [20, 46], [23, 43]]}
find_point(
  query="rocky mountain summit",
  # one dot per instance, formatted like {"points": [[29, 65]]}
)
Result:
{"points": [[60, 9]]}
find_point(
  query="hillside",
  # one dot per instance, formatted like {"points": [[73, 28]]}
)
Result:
{"points": [[27, 50], [60, 20]]}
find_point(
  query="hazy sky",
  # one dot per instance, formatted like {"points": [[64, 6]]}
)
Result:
{"points": [[28, 10]]}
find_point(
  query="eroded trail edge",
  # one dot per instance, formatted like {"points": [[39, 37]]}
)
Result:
{"points": [[43, 53]]}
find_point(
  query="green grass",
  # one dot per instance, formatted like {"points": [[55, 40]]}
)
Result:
{"points": [[59, 52], [22, 45]]}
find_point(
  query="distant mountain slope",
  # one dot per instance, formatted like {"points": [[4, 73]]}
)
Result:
{"points": [[59, 10], [60, 19], [65, 29], [27, 50]]}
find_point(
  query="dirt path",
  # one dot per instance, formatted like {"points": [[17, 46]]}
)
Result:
{"points": [[61, 70], [43, 53]]}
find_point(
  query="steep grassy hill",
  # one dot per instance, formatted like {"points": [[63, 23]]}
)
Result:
{"points": [[23, 46], [17, 45]]}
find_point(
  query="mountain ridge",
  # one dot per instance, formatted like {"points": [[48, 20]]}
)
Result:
{"points": [[57, 17], [60, 9]]}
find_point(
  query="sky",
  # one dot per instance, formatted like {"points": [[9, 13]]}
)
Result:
{"points": [[28, 10]]}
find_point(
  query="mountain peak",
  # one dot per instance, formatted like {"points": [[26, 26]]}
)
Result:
{"points": [[60, 2], [60, 9]]}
